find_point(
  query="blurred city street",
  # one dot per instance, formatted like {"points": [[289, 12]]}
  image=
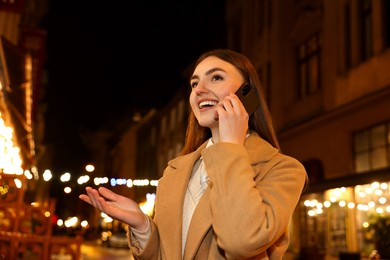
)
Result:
{"points": [[82, 105], [92, 250]]}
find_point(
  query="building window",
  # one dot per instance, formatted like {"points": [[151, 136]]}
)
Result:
{"points": [[371, 148], [347, 34], [386, 22], [365, 24], [309, 60]]}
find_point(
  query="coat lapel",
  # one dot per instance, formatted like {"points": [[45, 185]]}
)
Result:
{"points": [[200, 224], [169, 205]]}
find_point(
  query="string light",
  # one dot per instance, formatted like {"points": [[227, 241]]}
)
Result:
{"points": [[370, 197]]}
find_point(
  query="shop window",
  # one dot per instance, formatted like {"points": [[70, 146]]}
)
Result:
{"points": [[373, 217], [371, 148], [313, 222], [326, 219], [309, 66], [339, 205], [346, 219], [338, 229]]}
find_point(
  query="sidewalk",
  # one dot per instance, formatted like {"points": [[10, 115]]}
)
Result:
{"points": [[91, 250]]}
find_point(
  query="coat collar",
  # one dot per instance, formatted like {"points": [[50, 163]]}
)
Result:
{"points": [[259, 150]]}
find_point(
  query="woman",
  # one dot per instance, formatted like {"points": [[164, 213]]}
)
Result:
{"points": [[231, 193]]}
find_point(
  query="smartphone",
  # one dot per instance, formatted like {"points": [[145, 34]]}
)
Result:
{"points": [[248, 97]]}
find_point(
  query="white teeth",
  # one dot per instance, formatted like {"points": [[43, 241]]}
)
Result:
{"points": [[207, 103]]}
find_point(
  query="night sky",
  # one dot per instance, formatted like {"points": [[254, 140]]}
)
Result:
{"points": [[105, 59]]}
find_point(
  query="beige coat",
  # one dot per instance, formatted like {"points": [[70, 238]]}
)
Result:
{"points": [[244, 212]]}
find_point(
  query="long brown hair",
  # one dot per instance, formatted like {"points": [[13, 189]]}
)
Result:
{"points": [[260, 121]]}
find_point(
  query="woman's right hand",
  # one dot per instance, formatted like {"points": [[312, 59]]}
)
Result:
{"points": [[116, 206], [233, 120]]}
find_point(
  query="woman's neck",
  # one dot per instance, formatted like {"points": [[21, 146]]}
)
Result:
{"points": [[215, 135]]}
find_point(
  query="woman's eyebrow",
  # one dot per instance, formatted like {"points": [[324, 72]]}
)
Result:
{"points": [[214, 70], [194, 77], [210, 71]]}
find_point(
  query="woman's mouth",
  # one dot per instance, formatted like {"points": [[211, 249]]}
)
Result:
{"points": [[207, 103]]}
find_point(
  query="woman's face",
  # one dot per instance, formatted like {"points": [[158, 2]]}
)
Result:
{"points": [[212, 80]]}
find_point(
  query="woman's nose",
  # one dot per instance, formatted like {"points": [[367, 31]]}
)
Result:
{"points": [[200, 88]]}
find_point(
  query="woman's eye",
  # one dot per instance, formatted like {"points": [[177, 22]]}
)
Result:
{"points": [[216, 77], [194, 84]]}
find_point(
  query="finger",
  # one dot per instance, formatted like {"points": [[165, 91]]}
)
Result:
{"points": [[108, 194], [85, 198], [221, 107], [235, 102], [224, 109], [219, 112], [105, 207], [110, 209], [229, 104], [94, 196]]}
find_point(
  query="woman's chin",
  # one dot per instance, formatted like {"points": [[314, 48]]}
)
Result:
{"points": [[208, 122]]}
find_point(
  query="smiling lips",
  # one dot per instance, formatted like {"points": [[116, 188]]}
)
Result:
{"points": [[207, 103]]}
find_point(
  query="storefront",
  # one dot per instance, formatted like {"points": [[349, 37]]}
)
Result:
{"points": [[347, 219]]}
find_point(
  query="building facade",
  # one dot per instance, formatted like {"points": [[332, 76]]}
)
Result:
{"points": [[325, 68], [26, 211]]}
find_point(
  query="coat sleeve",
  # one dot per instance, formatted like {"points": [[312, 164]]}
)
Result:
{"points": [[251, 205], [151, 249]]}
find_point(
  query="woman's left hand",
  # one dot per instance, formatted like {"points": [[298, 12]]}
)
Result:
{"points": [[233, 120]]}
